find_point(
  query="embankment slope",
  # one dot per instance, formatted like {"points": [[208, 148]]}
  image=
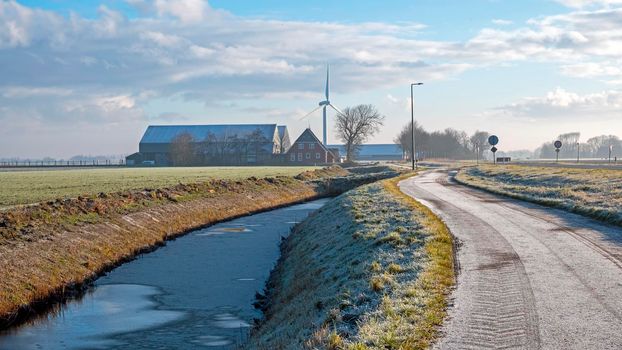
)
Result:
{"points": [[370, 270]]}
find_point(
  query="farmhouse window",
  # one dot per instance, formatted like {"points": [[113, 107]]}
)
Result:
{"points": [[301, 146], [300, 157], [308, 155], [317, 156], [312, 146], [292, 157]]}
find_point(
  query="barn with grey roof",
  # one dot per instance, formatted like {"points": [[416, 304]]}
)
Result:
{"points": [[229, 144]]}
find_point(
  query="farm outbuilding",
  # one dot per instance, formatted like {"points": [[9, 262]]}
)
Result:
{"points": [[373, 152], [308, 149], [232, 144]]}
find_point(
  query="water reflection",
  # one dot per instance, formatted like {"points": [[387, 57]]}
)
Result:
{"points": [[113, 308]]}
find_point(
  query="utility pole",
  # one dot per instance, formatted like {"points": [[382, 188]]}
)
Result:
{"points": [[413, 156]]}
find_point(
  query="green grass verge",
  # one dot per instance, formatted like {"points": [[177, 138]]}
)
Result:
{"points": [[26, 187], [436, 280]]}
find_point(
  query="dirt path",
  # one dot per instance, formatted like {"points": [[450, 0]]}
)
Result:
{"points": [[530, 277]]}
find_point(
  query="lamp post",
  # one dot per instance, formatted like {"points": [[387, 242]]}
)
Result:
{"points": [[413, 156]]}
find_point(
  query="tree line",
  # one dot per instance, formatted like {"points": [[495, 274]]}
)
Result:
{"points": [[449, 143], [595, 147]]}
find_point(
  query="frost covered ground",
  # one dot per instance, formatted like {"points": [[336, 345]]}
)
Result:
{"points": [[370, 270], [592, 192], [25, 187]]}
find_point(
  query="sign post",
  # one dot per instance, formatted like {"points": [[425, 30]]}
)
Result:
{"points": [[558, 145], [578, 151], [493, 140], [610, 150]]}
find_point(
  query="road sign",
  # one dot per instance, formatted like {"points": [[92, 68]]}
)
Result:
{"points": [[558, 144], [493, 140], [493, 149], [557, 150]]}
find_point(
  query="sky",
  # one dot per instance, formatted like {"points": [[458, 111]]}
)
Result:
{"points": [[87, 77]]}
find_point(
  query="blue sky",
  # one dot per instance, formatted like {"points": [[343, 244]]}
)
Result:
{"points": [[89, 76], [449, 19]]}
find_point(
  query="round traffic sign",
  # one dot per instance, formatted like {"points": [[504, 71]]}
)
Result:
{"points": [[493, 149], [493, 140], [558, 144]]}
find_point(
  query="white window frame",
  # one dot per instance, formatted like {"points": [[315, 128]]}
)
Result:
{"points": [[300, 157], [308, 155], [312, 146], [318, 155], [301, 146], [292, 157]]}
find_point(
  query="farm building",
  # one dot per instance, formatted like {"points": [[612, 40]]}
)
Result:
{"points": [[307, 149], [371, 152], [284, 140], [234, 144]]}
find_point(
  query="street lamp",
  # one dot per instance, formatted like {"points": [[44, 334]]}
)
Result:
{"points": [[413, 157]]}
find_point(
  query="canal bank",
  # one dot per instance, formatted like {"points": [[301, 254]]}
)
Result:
{"points": [[197, 291], [53, 250], [372, 269]]}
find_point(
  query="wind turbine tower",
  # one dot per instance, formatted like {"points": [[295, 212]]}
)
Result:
{"points": [[324, 104]]}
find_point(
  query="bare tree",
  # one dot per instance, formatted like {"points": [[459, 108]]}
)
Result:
{"points": [[404, 140], [182, 150], [355, 125], [478, 142], [449, 143]]}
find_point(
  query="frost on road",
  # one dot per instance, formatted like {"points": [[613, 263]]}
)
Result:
{"points": [[530, 277]]}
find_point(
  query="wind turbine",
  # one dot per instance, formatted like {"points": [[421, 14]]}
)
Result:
{"points": [[324, 104]]}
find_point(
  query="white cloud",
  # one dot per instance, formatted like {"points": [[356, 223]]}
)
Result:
{"points": [[161, 39], [607, 71], [188, 11], [392, 99], [588, 3], [564, 105], [25, 92], [502, 22], [115, 103]]}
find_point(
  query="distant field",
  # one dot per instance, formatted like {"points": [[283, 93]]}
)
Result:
{"points": [[592, 192], [24, 187]]}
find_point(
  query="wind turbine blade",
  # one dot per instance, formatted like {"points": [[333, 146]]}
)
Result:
{"points": [[335, 108], [308, 114], [327, 80]]}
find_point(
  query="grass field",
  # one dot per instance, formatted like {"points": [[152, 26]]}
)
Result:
{"points": [[25, 187], [595, 193]]}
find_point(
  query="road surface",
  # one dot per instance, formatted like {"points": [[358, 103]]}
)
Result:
{"points": [[529, 277]]}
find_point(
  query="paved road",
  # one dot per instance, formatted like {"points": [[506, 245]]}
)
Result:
{"points": [[529, 277]]}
